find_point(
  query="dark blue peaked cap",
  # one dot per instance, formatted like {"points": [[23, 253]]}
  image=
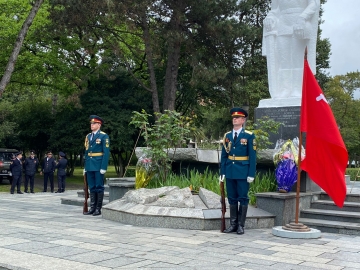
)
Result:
{"points": [[96, 119], [238, 112]]}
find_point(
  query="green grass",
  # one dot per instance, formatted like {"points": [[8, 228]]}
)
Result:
{"points": [[265, 182], [193, 178]]}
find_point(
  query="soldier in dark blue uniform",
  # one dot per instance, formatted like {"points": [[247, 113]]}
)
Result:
{"points": [[31, 165], [238, 165], [16, 171], [97, 154], [48, 168], [61, 172]]}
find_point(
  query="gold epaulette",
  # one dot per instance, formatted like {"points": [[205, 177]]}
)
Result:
{"points": [[227, 149], [225, 136], [102, 132], [248, 132]]}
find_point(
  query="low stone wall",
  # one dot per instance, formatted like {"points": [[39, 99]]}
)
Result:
{"points": [[209, 156], [119, 186], [171, 207]]}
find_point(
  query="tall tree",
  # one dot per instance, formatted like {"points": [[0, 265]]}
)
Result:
{"points": [[115, 98], [19, 41], [172, 34]]}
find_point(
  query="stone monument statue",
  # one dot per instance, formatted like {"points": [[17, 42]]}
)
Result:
{"points": [[289, 27]]}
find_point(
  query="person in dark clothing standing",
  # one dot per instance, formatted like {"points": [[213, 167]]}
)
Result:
{"points": [[97, 152], [61, 172], [48, 168], [31, 165], [16, 171], [238, 166]]}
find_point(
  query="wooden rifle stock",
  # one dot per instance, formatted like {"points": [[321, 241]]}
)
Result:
{"points": [[223, 206], [86, 193]]}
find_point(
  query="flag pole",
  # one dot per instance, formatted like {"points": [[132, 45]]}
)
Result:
{"points": [[299, 166], [298, 181]]}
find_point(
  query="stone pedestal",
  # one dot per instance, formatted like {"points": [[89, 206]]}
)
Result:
{"points": [[283, 205], [119, 186], [288, 116]]}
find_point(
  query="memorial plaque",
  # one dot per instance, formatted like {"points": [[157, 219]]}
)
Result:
{"points": [[288, 116]]}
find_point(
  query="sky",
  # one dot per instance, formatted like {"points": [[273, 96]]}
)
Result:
{"points": [[342, 27]]}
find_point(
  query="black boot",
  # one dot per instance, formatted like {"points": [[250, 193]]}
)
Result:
{"points": [[100, 197], [242, 217], [92, 204], [233, 219]]}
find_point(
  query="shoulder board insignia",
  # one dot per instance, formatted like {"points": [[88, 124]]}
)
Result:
{"points": [[102, 132], [226, 134], [248, 132]]}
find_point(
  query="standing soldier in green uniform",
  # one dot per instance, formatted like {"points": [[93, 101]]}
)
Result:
{"points": [[238, 165], [97, 153]]}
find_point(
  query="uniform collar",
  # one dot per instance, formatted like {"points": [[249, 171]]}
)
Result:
{"points": [[238, 131]]}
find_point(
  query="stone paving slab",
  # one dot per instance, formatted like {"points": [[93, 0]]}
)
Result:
{"points": [[38, 232]]}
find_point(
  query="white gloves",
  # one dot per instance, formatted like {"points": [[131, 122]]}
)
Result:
{"points": [[250, 179], [221, 178], [101, 171], [10, 174]]}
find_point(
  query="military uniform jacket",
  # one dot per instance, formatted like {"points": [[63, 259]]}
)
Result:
{"points": [[61, 166], [31, 165], [97, 151], [238, 158], [48, 165], [16, 167]]}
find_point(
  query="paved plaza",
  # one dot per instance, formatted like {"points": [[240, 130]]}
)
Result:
{"points": [[37, 232]]}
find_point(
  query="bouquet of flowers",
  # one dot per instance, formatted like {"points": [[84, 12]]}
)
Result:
{"points": [[285, 160], [144, 171]]}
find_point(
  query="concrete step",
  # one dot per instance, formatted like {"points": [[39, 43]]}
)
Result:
{"points": [[330, 205], [75, 200], [81, 191], [332, 215], [332, 226], [81, 194], [350, 197]]}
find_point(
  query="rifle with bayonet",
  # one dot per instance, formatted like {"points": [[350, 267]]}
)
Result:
{"points": [[223, 206], [86, 193], [222, 194]]}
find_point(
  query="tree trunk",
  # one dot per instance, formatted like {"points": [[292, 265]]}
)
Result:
{"points": [[19, 41], [121, 166], [172, 67], [149, 57]]}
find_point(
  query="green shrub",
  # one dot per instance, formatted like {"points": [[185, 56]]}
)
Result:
{"points": [[352, 172], [130, 172]]}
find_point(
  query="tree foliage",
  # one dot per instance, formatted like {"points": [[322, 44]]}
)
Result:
{"points": [[339, 92], [112, 57]]}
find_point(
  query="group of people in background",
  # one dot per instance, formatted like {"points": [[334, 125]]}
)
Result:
{"points": [[30, 166], [97, 153]]}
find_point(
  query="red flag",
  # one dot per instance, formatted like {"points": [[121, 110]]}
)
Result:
{"points": [[326, 155]]}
